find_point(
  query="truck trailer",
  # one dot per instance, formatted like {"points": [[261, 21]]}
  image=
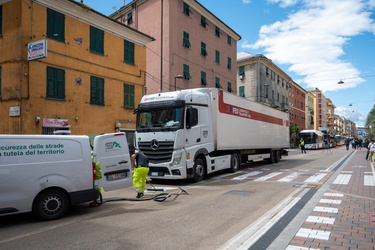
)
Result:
{"points": [[194, 132], [46, 174]]}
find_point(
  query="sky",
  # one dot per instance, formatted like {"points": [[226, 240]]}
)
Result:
{"points": [[316, 42]]}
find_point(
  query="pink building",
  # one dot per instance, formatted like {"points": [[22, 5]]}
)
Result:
{"points": [[193, 47]]}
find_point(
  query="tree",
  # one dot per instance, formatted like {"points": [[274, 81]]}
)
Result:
{"points": [[370, 123], [293, 133]]}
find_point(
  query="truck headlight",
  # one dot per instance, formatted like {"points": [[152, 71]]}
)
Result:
{"points": [[176, 160]]}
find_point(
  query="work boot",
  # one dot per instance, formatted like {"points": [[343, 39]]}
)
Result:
{"points": [[139, 195]]}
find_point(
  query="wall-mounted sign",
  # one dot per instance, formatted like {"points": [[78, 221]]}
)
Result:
{"points": [[37, 50], [14, 111], [55, 123]]}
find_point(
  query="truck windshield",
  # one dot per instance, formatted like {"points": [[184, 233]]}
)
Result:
{"points": [[170, 119]]}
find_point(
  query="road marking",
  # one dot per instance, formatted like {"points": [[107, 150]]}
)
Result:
{"points": [[290, 177], [346, 172], [315, 178], [326, 210], [330, 201], [312, 233], [320, 219], [244, 176], [342, 179], [333, 195], [269, 176], [368, 180], [291, 247]]}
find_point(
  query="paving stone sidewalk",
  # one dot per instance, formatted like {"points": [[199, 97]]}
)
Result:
{"points": [[344, 218]]}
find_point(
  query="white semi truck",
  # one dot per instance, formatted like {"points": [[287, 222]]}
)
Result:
{"points": [[195, 132], [46, 174]]}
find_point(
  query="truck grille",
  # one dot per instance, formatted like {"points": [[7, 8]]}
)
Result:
{"points": [[161, 154]]}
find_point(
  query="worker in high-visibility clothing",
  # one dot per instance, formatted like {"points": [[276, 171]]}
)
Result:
{"points": [[98, 172], [140, 163]]}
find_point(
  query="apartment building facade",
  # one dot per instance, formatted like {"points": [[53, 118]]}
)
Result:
{"points": [[297, 114], [260, 80], [193, 47], [65, 68], [320, 109], [310, 110]]}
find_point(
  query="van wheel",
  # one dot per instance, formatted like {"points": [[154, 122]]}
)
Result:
{"points": [[199, 170], [51, 205], [234, 163]]}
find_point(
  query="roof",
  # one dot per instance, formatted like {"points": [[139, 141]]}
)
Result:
{"points": [[243, 56]]}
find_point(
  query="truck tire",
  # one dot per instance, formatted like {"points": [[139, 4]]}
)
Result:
{"points": [[277, 155], [51, 204], [234, 163], [199, 170], [272, 158]]}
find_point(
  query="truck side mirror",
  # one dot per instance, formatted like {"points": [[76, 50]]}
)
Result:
{"points": [[191, 117]]}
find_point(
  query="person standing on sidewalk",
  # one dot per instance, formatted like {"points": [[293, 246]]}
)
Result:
{"points": [[302, 146], [347, 142], [371, 147], [140, 163]]}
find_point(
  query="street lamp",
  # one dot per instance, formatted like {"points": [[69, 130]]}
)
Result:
{"points": [[341, 82], [179, 77]]}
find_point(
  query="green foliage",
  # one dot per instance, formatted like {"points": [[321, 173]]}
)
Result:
{"points": [[293, 133], [370, 123]]}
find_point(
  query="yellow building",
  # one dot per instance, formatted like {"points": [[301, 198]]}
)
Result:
{"points": [[67, 68]]}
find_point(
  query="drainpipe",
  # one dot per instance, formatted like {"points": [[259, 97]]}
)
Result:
{"points": [[161, 45]]}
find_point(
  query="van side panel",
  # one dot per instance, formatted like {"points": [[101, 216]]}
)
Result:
{"points": [[32, 163]]}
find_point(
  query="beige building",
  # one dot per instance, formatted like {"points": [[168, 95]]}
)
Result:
{"points": [[260, 80], [320, 109], [330, 113], [193, 47], [310, 113]]}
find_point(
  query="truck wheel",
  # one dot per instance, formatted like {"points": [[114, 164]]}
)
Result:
{"points": [[51, 205], [199, 170], [272, 158], [277, 155], [234, 163]]}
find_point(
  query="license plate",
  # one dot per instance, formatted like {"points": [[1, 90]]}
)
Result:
{"points": [[156, 174], [116, 176]]}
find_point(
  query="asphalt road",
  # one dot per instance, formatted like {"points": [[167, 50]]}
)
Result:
{"points": [[218, 213]]}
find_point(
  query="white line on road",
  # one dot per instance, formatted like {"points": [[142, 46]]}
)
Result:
{"points": [[269, 176], [368, 180], [326, 210], [312, 233], [290, 177], [330, 201], [342, 179], [320, 219], [315, 178], [244, 176]]}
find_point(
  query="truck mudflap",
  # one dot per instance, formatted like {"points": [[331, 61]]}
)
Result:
{"points": [[83, 196]]}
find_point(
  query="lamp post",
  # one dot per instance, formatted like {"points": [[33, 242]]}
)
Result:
{"points": [[341, 82], [175, 78]]}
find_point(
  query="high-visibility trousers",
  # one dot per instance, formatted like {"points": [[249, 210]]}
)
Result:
{"points": [[139, 178]]}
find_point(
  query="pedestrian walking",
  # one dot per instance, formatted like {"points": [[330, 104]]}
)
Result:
{"points": [[365, 145], [371, 147], [140, 163], [302, 146], [347, 142]]}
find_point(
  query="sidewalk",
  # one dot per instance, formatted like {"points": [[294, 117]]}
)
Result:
{"points": [[344, 218]]}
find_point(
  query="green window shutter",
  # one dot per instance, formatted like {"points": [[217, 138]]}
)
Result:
{"points": [[128, 96], [186, 71], [267, 90], [92, 89], [217, 31], [203, 49], [203, 78], [217, 83], [242, 91], [96, 90], [129, 19], [229, 41], [55, 83], [128, 52], [204, 22], [241, 71], [229, 63], [230, 90], [60, 81], [186, 9], [217, 56], [186, 40], [100, 87], [96, 40], [55, 25]]}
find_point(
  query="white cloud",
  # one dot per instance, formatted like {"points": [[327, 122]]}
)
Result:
{"points": [[246, 1], [351, 114], [312, 40]]}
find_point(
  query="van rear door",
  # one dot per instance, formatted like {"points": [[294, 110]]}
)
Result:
{"points": [[112, 152]]}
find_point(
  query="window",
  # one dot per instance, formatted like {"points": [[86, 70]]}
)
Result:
{"points": [[230, 90], [272, 75], [1, 19], [242, 91], [96, 40], [267, 92], [229, 66], [186, 72], [241, 71], [282, 82], [204, 23], [203, 78], [267, 71], [128, 96], [186, 41], [273, 95], [217, 83], [283, 99], [128, 52], [96, 90], [187, 10], [229, 41], [278, 97], [217, 31], [55, 83], [129, 19], [203, 49], [55, 25], [278, 79], [217, 56]]}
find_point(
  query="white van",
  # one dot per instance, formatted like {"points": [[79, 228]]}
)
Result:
{"points": [[46, 174]]}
